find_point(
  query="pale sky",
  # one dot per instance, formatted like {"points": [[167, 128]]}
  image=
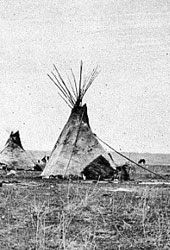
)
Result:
{"points": [[129, 102]]}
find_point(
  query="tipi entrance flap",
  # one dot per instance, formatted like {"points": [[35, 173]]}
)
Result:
{"points": [[99, 168]]}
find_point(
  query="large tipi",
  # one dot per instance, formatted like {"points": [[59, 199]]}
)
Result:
{"points": [[14, 156], [76, 146]]}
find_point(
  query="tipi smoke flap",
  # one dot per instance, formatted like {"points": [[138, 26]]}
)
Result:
{"points": [[76, 146], [14, 156]]}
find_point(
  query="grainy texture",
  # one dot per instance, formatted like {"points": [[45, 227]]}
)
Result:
{"points": [[44, 214]]}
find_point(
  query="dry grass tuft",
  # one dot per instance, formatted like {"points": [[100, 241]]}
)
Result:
{"points": [[84, 216]]}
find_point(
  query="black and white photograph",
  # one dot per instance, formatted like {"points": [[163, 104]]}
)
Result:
{"points": [[85, 125]]}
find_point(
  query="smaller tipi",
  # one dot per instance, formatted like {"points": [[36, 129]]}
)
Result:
{"points": [[76, 146], [14, 156]]}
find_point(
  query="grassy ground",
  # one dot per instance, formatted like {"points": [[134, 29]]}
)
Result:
{"points": [[43, 215]]}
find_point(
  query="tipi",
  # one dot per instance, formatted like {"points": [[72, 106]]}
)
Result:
{"points": [[76, 146], [14, 156]]}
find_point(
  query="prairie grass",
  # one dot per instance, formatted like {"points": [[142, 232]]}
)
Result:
{"points": [[80, 216]]}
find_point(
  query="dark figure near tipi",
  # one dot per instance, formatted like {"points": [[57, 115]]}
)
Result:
{"points": [[123, 172]]}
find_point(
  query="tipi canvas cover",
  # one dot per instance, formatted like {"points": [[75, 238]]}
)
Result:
{"points": [[76, 146], [14, 155]]}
